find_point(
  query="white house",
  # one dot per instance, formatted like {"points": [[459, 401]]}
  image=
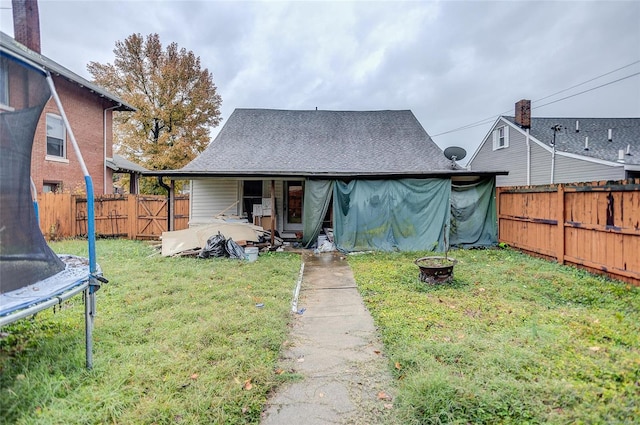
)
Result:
{"points": [[559, 150]]}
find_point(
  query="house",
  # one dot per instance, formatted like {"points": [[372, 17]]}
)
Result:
{"points": [[375, 177], [89, 108], [539, 151]]}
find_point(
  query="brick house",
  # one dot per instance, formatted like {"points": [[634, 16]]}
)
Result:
{"points": [[89, 108]]}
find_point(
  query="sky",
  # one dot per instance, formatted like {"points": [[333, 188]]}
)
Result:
{"points": [[457, 65]]}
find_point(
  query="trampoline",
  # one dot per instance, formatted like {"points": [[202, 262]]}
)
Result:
{"points": [[32, 276]]}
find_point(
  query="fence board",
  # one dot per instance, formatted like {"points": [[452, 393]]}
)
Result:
{"points": [[63, 215], [593, 225], [54, 211]]}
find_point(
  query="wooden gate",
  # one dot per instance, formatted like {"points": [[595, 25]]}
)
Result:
{"points": [[126, 216], [151, 217]]}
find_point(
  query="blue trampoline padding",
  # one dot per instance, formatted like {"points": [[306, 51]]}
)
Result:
{"points": [[75, 273]]}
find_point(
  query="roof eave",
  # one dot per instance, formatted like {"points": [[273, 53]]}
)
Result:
{"points": [[182, 174], [41, 62]]}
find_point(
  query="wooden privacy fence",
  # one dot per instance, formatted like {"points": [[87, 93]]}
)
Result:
{"points": [[591, 225], [63, 215]]}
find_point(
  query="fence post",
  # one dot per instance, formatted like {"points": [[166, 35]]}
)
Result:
{"points": [[560, 229], [132, 215]]}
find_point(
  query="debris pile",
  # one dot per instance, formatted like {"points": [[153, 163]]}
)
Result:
{"points": [[211, 240]]}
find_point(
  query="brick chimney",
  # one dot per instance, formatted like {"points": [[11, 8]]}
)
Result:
{"points": [[523, 113], [26, 23]]}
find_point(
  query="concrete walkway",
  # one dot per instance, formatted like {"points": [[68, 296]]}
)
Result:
{"points": [[335, 347]]}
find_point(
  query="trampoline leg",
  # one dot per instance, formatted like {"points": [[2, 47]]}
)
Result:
{"points": [[88, 324]]}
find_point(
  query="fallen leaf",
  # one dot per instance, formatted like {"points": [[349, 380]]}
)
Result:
{"points": [[398, 366], [247, 385], [194, 376], [376, 351], [384, 396], [279, 371]]}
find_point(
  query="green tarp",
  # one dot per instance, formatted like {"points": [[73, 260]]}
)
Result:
{"points": [[402, 215], [388, 215], [473, 214], [317, 196]]}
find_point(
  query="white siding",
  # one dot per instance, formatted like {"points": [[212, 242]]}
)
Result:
{"points": [[209, 197], [571, 170]]}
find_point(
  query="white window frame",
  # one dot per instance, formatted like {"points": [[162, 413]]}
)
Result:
{"points": [[501, 141], [63, 139], [51, 187], [4, 85]]}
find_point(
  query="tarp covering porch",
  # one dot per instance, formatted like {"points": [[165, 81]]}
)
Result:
{"points": [[402, 214]]}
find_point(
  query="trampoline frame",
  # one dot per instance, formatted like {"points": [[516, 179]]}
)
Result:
{"points": [[92, 279]]}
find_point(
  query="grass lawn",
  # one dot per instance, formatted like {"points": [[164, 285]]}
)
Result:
{"points": [[182, 340], [176, 340], [513, 339]]}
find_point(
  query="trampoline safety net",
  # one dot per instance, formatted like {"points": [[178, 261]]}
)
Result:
{"points": [[25, 257]]}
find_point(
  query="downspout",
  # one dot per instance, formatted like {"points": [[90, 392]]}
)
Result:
{"points": [[553, 162], [169, 209], [528, 159], [104, 144]]}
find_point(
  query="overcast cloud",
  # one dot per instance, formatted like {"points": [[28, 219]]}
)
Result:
{"points": [[453, 63]]}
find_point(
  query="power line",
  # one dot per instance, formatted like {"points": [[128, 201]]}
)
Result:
{"points": [[588, 81], [494, 117], [588, 90]]}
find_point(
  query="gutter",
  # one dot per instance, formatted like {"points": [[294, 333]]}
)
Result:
{"points": [[187, 175], [528, 142]]}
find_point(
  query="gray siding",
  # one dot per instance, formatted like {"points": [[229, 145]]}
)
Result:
{"points": [[209, 197], [571, 170], [540, 165], [512, 158]]}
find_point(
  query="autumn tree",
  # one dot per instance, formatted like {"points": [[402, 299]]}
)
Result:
{"points": [[176, 101]]}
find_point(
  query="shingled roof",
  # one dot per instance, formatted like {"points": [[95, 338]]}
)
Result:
{"points": [[340, 143], [11, 45], [625, 135]]}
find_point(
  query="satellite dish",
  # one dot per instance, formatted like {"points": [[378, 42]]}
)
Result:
{"points": [[455, 153]]}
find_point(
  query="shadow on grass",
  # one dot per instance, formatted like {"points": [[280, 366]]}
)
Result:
{"points": [[420, 286]]}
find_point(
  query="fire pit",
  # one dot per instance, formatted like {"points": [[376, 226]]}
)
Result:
{"points": [[435, 270]]}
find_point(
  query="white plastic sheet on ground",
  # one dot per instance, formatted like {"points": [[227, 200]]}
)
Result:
{"points": [[196, 237]]}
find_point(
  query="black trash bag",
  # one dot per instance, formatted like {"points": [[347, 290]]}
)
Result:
{"points": [[234, 250], [215, 247]]}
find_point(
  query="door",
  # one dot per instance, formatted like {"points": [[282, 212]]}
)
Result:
{"points": [[251, 195], [293, 195]]}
